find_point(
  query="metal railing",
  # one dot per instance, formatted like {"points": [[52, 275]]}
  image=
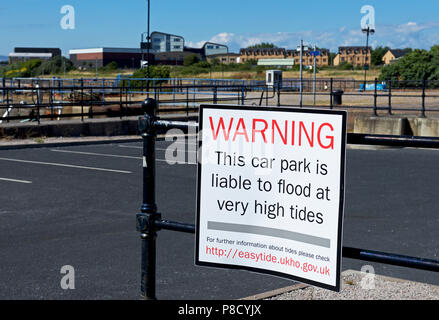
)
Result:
{"points": [[34, 99], [149, 221], [35, 102]]}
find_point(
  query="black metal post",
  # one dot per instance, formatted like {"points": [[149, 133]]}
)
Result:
{"points": [[423, 98], [148, 216], [148, 41], [278, 95], [82, 99], [120, 102], [375, 98], [331, 97], [390, 97], [366, 64]]}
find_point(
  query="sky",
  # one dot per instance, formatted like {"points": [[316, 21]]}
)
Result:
{"points": [[236, 23]]}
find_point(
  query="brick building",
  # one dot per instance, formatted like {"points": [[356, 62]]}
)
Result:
{"points": [[357, 56], [100, 57], [226, 58], [281, 53]]}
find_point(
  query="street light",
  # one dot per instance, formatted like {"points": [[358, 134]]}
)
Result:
{"points": [[141, 48], [301, 48], [368, 31], [148, 40]]}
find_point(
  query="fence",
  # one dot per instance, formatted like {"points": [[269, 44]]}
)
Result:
{"points": [[28, 99], [149, 220], [34, 100]]}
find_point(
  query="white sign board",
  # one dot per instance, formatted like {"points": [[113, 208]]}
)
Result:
{"points": [[270, 195]]}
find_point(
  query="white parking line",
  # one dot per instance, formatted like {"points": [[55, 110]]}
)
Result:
{"points": [[96, 154], [160, 149], [64, 165], [15, 180], [117, 156]]}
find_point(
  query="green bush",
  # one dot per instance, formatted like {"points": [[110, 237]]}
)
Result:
{"points": [[155, 72], [56, 65], [416, 65], [190, 60], [20, 69], [345, 66]]}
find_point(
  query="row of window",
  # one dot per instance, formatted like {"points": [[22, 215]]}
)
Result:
{"points": [[351, 59]]}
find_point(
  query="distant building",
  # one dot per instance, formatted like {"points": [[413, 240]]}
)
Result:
{"points": [[210, 49], [224, 58], [170, 48], [100, 57], [256, 54], [307, 59], [393, 55], [21, 54], [282, 53], [357, 56], [165, 42]]}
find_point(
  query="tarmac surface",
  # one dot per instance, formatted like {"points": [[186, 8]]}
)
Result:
{"points": [[76, 205]]}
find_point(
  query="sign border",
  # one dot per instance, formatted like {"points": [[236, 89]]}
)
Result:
{"points": [[292, 109]]}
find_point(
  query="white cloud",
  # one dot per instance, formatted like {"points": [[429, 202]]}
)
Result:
{"points": [[411, 34]]}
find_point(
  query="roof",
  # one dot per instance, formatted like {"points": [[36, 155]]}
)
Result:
{"points": [[30, 55], [398, 53], [282, 50], [353, 48], [105, 50], [216, 44], [166, 34], [224, 54]]}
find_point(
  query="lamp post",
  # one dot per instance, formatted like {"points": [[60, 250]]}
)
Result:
{"points": [[368, 31], [148, 40], [301, 48], [141, 48]]}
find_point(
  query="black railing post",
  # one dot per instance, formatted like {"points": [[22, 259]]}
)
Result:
{"points": [[375, 97], [278, 95], [423, 98], [120, 103], [82, 99], [38, 103], [148, 216], [331, 96], [243, 95], [390, 97]]}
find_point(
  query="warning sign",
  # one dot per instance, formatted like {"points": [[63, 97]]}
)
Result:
{"points": [[271, 191]]}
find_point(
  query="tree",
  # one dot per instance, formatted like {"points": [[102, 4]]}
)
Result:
{"points": [[378, 54], [190, 60], [56, 65], [263, 45], [416, 65]]}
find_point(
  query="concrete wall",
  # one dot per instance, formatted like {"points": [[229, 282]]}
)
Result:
{"points": [[420, 127], [357, 123]]}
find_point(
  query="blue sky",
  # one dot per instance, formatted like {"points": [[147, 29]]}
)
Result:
{"points": [[237, 23]]}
